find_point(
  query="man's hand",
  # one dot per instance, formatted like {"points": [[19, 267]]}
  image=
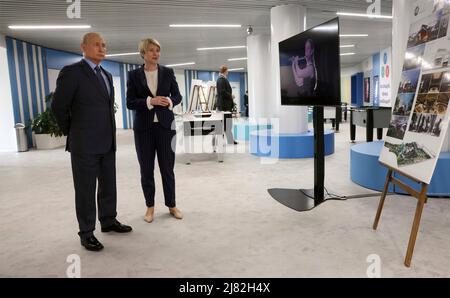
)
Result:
{"points": [[160, 101]]}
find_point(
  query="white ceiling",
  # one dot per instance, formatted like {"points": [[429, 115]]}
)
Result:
{"points": [[124, 23]]}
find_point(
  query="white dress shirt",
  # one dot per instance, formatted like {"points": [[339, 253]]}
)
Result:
{"points": [[152, 83]]}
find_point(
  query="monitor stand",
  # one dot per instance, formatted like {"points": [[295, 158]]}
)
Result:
{"points": [[307, 199]]}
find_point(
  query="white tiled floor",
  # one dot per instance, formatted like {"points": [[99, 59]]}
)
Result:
{"points": [[232, 227]]}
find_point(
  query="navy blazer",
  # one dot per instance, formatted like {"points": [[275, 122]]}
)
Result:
{"points": [[138, 91], [84, 110]]}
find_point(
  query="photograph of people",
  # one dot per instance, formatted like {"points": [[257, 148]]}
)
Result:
{"points": [[305, 71], [426, 123], [83, 106], [152, 91]]}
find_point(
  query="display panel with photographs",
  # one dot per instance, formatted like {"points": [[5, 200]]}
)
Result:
{"points": [[420, 117]]}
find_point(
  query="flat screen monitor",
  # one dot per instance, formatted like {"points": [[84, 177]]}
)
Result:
{"points": [[310, 67]]}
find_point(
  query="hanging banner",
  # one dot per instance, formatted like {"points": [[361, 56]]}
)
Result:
{"points": [[385, 78], [420, 115]]}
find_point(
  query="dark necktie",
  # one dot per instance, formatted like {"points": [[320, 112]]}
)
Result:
{"points": [[98, 72]]}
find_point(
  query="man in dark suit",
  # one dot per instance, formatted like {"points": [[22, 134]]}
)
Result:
{"points": [[84, 109], [225, 102]]}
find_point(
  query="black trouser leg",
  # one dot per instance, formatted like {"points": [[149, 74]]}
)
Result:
{"points": [[228, 127], [107, 189], [379, 133], [165, 149], [84, 171], [145, 149]]}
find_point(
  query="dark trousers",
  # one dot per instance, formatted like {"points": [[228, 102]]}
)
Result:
{"points": [[86, 170], [157, 140], [228, 127]]}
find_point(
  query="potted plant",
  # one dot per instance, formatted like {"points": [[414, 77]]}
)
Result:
{"points": [[47, 133]]}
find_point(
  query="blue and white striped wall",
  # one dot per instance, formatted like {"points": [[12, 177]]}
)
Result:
{"points": [[28, 69], [29, 80], [128, 115]]}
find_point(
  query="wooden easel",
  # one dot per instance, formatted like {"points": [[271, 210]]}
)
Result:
{"points": [[211, 97], [421, 200], [199, 98]]}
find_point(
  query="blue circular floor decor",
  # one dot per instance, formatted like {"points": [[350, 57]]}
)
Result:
{"points": [[265, 143], [242, 129], [366, 171]]}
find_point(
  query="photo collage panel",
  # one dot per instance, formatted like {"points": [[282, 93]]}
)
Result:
{"points": [[423, 52], [420, 113]]}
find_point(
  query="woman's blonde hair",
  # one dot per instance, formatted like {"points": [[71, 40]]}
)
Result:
{"points": [[145, 43]]}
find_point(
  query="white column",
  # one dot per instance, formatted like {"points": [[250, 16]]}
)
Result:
{"points": [[286, 21], [7, 131], [401, 12], [259, 76]]}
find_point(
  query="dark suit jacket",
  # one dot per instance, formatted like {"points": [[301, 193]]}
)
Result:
{"points": [[84, 111], [138, 91], [224, 95]]}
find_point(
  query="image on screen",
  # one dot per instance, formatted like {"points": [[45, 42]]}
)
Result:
{"points": [[310, 67]]}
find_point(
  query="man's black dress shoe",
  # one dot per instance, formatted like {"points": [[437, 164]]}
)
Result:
{"points": [[117, 227], [91, 243], [235, 143]]}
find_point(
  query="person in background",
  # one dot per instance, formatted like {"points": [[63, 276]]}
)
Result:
{"points": [[152, 91], [246, 103], [84, 109], [225, 102]]}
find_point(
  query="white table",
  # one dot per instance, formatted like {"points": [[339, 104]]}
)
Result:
{"points": [[193, 125]]}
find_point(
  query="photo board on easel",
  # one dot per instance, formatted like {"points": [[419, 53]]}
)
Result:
{"points": [[420, 115]]}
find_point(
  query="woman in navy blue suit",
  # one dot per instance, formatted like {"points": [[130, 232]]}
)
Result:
{"points": [[152, 91]]}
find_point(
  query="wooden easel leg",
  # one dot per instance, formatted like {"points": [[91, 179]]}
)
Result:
{"points": [[415, 227], [383, 196]]}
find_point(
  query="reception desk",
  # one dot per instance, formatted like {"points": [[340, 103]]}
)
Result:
{"points": [[369, 117]]}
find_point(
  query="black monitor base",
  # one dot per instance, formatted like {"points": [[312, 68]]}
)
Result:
{"points": [[297, 199], [307, 199]]}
